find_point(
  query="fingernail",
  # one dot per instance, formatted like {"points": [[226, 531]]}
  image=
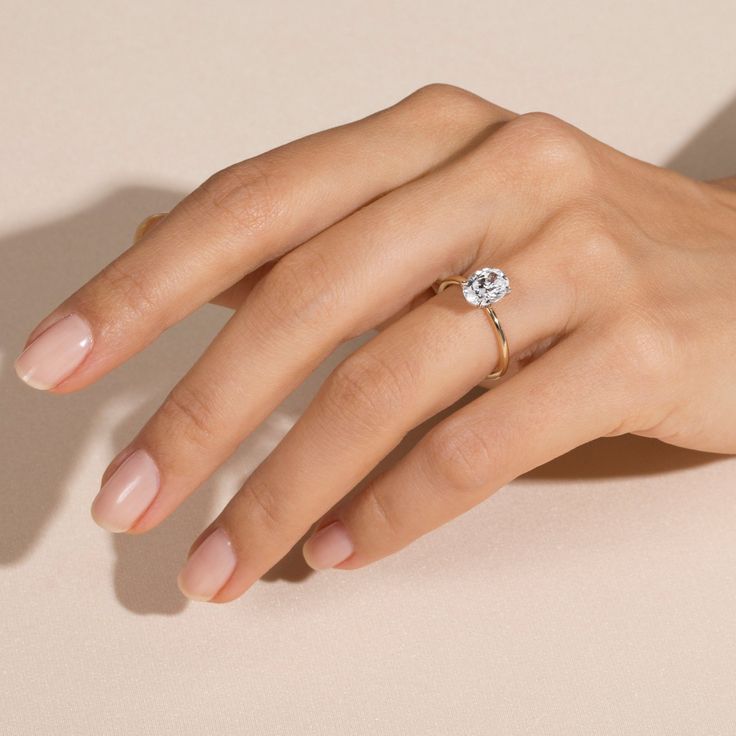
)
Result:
{"points": [[127, 493], [330, 546], [146, 224], [209, 567], [55, 353]]}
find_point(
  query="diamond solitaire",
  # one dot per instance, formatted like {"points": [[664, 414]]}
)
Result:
{"points": [[485, 287], [482, 289]]}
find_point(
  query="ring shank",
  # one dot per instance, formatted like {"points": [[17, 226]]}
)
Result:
{"points": [[503, 347]]}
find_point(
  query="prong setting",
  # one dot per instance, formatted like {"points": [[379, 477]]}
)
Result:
{"points": [[485, 287]]}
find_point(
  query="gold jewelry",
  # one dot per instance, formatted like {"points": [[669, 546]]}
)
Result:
{"points": [[481, 289]]}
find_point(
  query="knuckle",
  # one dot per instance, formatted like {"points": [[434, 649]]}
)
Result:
{"points": [[381, 515], [548, 144], [187, 412], [441, 92], [364, 389], [447, 100], [650, 348], [244, 193], [645, 351], [299, 289], [128, 290], [596, 247], [264, 505], [459, 456], [591, 253], [599, 251], [540, 127]]}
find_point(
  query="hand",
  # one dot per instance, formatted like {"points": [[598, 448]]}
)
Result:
{"points": [[620, 320]]}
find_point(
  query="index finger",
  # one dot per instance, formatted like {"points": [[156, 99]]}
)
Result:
{"points": [[239, 219]]}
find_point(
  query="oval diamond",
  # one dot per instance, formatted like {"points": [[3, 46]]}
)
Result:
{"points": [[486, 286]]}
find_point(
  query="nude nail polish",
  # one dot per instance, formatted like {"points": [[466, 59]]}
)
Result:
{"points": [[55, 353], [127, 493], [208, 568], [330, 546]]}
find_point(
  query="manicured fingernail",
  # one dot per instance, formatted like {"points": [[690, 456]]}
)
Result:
{"points": [[127, 493], [330, 546], [209, 567], [55, 353]]}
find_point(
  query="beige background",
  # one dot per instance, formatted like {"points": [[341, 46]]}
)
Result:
{"points": [[595, 596]]}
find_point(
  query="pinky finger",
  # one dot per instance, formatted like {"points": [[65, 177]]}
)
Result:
{"points": [[560, 401]]}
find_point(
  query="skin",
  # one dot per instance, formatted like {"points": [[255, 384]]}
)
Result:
{"points": [[620, 319]]}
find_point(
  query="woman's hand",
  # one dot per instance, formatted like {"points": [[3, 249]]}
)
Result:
{"points": [[620, 320]]}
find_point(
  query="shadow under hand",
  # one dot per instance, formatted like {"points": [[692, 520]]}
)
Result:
{"points": [[41, 267], [627, 455], [711, 152]]}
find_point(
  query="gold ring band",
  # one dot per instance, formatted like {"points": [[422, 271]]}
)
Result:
{"points": [[502, 364]]}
